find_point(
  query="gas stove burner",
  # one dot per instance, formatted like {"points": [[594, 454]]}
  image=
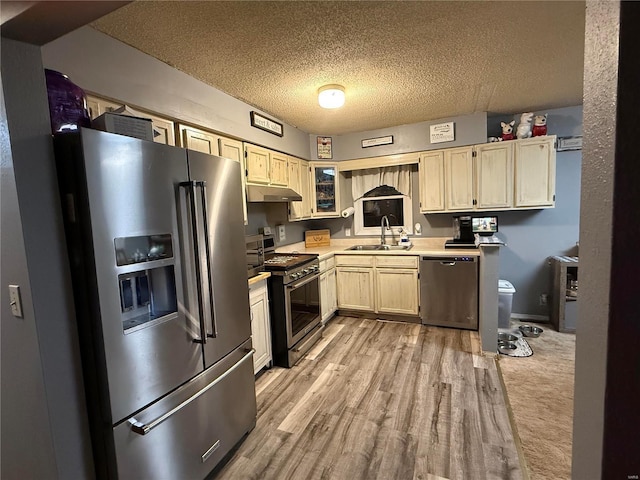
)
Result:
{"points": [[287, 261], [280, 259]]}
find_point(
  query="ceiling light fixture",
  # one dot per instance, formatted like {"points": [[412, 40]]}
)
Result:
{"points": [[331, 96]]}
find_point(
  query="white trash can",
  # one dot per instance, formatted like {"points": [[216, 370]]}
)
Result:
{"points": [[505, 301]]}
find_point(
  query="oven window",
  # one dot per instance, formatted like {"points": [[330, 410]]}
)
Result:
{"points": [[305, 306]]}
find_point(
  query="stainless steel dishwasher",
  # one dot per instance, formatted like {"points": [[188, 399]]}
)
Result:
{"points": [[449, 291]]}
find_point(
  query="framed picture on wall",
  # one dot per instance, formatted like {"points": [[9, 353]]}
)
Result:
{"points": [[324, 148], [569, 143]]}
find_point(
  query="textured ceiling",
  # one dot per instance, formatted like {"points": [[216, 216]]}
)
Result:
{"points": [[400, 62]]}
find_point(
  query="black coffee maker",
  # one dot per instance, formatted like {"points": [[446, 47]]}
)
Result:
{"points": [[462, 233]]}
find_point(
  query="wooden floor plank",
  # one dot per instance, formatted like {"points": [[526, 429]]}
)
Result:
{"points": [[377, 399]]}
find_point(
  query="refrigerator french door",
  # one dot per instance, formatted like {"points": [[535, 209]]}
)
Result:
{"points": [[157, 261]]}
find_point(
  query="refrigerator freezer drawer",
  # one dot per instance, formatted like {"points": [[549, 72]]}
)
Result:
{"points": [[186, 434]]}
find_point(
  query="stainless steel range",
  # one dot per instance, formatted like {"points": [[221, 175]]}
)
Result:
{"points": [[294, 291]]}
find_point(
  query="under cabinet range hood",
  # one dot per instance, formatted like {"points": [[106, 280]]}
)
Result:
{"points": [[263, 193]]}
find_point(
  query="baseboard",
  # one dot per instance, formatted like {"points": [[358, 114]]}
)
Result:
{"points": [[527, 316]]}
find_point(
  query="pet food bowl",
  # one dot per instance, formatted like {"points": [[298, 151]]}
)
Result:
{"points": [[507, 337], [530, 331], [507, 347]]}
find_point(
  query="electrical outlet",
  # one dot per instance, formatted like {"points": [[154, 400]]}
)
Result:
{"points": [[282, 235], [543, 299], [347, 232]]}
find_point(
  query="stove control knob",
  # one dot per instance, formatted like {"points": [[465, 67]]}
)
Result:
{"points": [[295, 276], [305, 271]]}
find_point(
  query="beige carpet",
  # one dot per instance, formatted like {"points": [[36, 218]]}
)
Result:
{"points": [[540, 391]]}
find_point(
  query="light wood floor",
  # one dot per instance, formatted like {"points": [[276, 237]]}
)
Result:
{"points": [[381, 400]]}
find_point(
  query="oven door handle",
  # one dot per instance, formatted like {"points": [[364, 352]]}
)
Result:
{"points": [[304, 281]]}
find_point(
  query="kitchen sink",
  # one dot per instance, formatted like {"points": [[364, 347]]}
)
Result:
{"points": [[365, 247], [394, 247], [380, 247]]}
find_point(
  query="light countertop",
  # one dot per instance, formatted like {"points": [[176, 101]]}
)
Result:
{"points": [[259, 277], [421, 246]]}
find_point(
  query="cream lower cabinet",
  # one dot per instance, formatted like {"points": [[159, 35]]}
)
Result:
{"points": [[378, 283], [260, 325], [397, 285], [355, 288], [328, 291]]}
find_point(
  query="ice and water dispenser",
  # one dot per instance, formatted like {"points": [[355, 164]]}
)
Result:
{"points": [[147, 293]]}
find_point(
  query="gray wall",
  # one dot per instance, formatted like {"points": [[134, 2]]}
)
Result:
{"points": [[44, 424], [534, 235], [100, 64], [468, 129]]}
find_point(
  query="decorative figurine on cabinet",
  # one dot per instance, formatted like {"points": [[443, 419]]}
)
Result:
{"points": [[507, 130], [524, 129], [539, 125]]}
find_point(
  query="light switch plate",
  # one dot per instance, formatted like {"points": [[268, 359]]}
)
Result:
{"points": [[282, 236], [15, 301]]}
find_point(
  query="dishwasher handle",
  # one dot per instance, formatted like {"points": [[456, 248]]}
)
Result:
{"points": [[449, 261]]}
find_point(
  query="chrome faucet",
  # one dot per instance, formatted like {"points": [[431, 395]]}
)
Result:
{"points": [[382, 222]]}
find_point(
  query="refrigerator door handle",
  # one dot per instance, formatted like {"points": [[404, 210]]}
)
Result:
{"points": [[191, 191], [144, 428], [205, 225]]}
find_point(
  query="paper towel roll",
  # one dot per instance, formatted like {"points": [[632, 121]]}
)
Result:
{"points": [[347, 212]]}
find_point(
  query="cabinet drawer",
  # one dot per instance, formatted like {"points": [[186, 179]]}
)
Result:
{"points": [[327, 264], [354, 260], [396, 261]]}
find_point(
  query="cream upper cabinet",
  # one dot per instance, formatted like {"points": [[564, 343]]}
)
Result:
{"points": [[431, 169], [458, 168], [257, 164], [299, 182], [199, 140], [535, 176], [233, 149], [325, 192], [163, 129], [494, 175], [97, 106], [278, 169], [305, 187], [266, 166], [510, 175]]}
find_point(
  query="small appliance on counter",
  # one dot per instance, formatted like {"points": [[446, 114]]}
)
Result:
{"points": [[462, 233], [466, 227]]}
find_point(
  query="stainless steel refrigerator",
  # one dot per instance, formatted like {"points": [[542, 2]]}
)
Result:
{"points": [[155, 241]]}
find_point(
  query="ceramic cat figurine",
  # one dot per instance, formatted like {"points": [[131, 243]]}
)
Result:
{"points": [[524, 129]]}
